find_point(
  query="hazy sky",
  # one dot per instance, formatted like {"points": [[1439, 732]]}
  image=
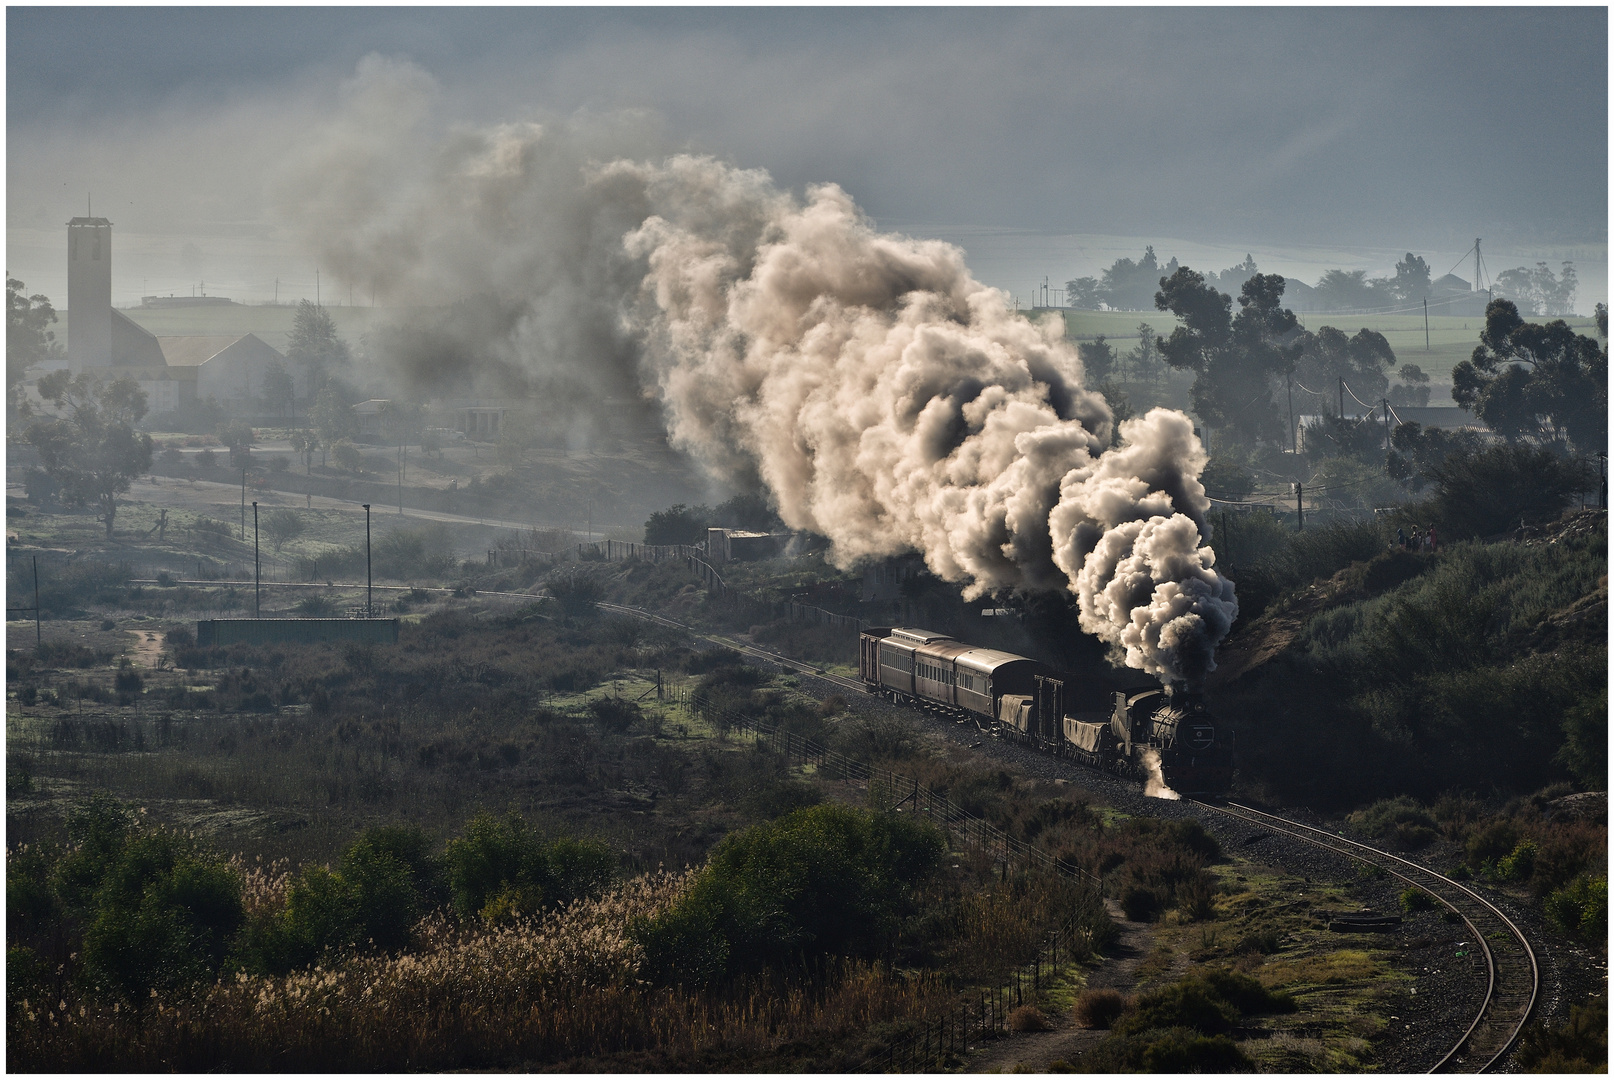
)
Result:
{"points": [[1359, 132]]}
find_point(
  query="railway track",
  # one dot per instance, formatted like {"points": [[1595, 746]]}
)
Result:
{"points": [[1513, 976]]}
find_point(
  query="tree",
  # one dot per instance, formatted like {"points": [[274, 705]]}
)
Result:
{"points": [[1536, 380], [305, 442], [332, 418], [28, 342], [1538, 291], [1413, 389], [1098, 357], [1083, 293], [1144, 359], [1236, 360], [1234, 277], [402, 421], [678, 524], [1411, 281], [1128, 285], [1351, 290], [279, 392], [282, 526], [1485, 492], [314, 345], [1328, 356], [347, 456], [90, 446], [238, 436], [1416, 451]]}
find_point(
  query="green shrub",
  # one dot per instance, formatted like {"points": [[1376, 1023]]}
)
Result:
{"points": [[1585, 748], [828, 879], [1490, 843], [163, 917], [501, 862], [1245, 993], [1183, 1051], [1401, 820], [1578, 1046], [615, 714], [1579, 910], [1518, 864], [1191, 1003], [1414, 900]]}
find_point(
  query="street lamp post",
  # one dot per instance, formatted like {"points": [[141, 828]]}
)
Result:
{"points": [[369, 610]]}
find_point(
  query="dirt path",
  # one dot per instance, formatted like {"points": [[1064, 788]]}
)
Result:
{"points": [[1035, 1051], [148, 645]]}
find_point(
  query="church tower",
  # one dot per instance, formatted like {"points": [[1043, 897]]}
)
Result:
{"points": [[89, 294]]}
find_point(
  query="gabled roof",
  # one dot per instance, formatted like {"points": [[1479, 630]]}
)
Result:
{"points": [[195, 351]]}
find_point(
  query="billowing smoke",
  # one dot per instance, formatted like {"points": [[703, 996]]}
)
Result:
{"points": [[1154, 778], [885, 398]]}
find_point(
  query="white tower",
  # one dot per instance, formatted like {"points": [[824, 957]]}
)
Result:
{"points": [[89, 294]]}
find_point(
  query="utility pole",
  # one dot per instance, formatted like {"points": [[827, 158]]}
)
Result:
{"points": [[369, 584], [1342, 397], [257, 567], [1294, 437], [1300, 508], [1477, 264], [1426, 324], [1386, 403]]}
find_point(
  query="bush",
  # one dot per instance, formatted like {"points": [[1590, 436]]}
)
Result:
{"points": [[1485, 492], [615, 714], [1099, 1008], [500, 869], [1028, 1018], [157, 913], [1579, 910], [1401, 821], [1579, 1046], [828, 879], [1183, 1051], [577, 594], [1414, 900]]}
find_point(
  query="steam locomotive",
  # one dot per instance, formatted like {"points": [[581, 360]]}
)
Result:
{"points": [[1158, 732]]}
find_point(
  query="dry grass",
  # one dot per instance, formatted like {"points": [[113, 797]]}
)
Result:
{"points": [[1100, 1008], [1028, 1018], [562, 987]]}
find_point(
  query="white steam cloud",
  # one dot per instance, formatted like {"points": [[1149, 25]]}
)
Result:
{"points": [[886, 399]]}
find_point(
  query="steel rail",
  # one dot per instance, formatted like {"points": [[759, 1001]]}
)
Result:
{"points": [[741, 647], [1508, 1000]]}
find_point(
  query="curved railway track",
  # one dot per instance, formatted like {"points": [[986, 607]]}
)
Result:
{"points": [[1513, 976]]}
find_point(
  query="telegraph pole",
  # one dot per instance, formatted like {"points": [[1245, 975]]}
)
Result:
{"points": [[1426, 324], [369, 584], [1300, 508], [257, 567], [1342, 397], [1386, 403], [1294, 438]]}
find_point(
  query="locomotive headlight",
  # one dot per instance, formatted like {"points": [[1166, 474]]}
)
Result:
{"points": [[1201, 736]]}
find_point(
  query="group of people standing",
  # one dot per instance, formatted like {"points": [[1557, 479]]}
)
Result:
{"points": [[1420, 541]]}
